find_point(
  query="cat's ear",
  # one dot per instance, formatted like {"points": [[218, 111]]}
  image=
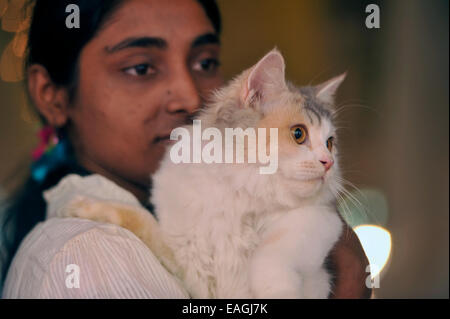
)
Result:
{"points": [[326, 91], [265, 80]]}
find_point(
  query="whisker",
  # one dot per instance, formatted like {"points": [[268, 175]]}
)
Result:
{"points": [[344, 208], [341, 108], [344, 195], [343, 180], [340, 128]]}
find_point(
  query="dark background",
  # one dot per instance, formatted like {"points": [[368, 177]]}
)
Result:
{"points": [[396, 136]]}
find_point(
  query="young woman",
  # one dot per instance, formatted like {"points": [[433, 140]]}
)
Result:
{"points": [[113, 90]]}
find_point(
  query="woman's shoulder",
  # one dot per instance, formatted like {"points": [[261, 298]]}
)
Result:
{"points": [[57, 234], [76, 258]]}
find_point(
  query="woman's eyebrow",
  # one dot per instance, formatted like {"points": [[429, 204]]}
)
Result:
{"points": [[147, 42], [142, 42], [207, 38]]}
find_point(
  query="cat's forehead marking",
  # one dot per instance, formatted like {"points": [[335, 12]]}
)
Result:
{"points": [[310, 112], [313, 107]]}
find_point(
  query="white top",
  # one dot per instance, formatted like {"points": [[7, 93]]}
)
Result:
{"points": [[76, 258]]}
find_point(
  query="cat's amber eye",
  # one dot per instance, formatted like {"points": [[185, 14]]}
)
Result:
{"points": [[330, 143], [299, 133]]}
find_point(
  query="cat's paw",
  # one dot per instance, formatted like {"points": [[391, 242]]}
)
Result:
{"points": [[74, 208], [87, 208], [280, 293], [277, 284], [317, 285]]}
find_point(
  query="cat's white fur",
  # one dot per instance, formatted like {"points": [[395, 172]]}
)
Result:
{"points": [[237, 233]]}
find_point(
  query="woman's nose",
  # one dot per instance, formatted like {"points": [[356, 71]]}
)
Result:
{"points": [[327, 163], [183, 94]]}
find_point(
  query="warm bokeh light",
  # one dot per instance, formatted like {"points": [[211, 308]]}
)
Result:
{"points": [[376, 242], [11, 66], [15, 16], [3, 7]]}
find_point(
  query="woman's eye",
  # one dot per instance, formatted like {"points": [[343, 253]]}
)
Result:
{"points": [[330, 143], [206, 65], [139, 70], [298, 133]]}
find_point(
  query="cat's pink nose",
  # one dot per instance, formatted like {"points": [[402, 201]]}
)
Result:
{"points": [[327, 163]]}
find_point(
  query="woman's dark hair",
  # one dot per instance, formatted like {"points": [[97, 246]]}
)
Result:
{"points": [[57, 48]]}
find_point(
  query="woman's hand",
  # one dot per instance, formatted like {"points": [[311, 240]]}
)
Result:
{"points": [[349, 263]]}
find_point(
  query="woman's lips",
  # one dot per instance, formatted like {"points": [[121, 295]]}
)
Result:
{"points": [[162, 139]]}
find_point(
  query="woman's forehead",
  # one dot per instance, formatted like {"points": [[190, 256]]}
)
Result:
{"points": [[174, 21]]}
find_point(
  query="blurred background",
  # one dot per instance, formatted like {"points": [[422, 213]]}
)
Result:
{"points": [[394, 140]]}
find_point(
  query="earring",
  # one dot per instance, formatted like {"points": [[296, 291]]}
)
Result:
{"points": [[48, 139]]}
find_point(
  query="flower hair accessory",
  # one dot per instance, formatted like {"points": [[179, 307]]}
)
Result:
{"points": [[50, 154], [48, 139]]}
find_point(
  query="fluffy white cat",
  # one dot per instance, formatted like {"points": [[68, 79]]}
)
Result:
{"points": [[228, 231]]}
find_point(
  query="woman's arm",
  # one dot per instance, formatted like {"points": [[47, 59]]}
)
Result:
{"points": [[110, 262], [349, 263]]}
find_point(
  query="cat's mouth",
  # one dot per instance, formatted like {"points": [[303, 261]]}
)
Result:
{"points": [[313, 177], [321, 179], [316, 179], [164, 136]]}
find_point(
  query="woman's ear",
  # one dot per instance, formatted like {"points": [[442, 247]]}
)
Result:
{"points": [[51, 100]]}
